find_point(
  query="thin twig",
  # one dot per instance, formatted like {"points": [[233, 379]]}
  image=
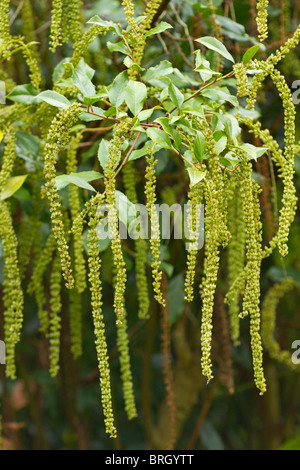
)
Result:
{"points": [[14, 16]]}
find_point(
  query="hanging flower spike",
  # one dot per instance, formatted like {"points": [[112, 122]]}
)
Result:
{"points": [[129, 180], [57, 138], [94, 264], [121, 131], [262, 19], [55, 320], [193, 220], [155, 230]]}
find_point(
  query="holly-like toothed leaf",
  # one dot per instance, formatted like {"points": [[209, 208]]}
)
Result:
{"points": [[215, 45], [126, 210], [11, 186], [202, 66], [254, 152], [250, 53], [117, 47], [175, 95], [93, 115], [221, 141], [231, 125], [145, 150], [80, 179], [220, 94], [90, 100], [205, 73], [106, 24], [88, 175], [163, 69], [147, 113], [129, 63], [112, 111], [158, 29], [54, 99], [116, 91], [199, 146], [82, 78], [103, 154], [140, 19], [195, 175], [135, 95], [24, 94], [159, 137], [165, 123], [193, 107]]}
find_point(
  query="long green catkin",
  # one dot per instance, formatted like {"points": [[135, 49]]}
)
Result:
{"points": [[251, 299], [262, 19], [55, 319], [155, 229], [5, 36], [58, 136], [120, 277], [12, 291], [140, 244], [36, 284], [74, 202], [94, 263], [193, 222], [236, 256]]}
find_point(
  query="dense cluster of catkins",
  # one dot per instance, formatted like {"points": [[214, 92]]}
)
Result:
{"points": [[233, 225]]}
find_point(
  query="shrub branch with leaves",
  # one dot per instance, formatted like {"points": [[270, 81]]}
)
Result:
{"points": [[198, 119]]}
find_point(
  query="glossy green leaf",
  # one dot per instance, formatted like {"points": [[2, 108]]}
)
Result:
{"points": [[175, 95], [221, 141], [159, 137], [54, 99], [117, 47], [11, 186], [96, 19], [103, 153], [116, 91], [81, 77], [80, 179], [147, 113], [195, 175], [135, 94], [254, 152], [163, 69], [24, 94], [93, 115], [215, 45], [165, 123], [125, 209], [250, 53], [220, 94], [158, 29], [199, 146]]}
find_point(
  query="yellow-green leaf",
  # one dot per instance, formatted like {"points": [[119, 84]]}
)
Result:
{"points": [[11, 186]]}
